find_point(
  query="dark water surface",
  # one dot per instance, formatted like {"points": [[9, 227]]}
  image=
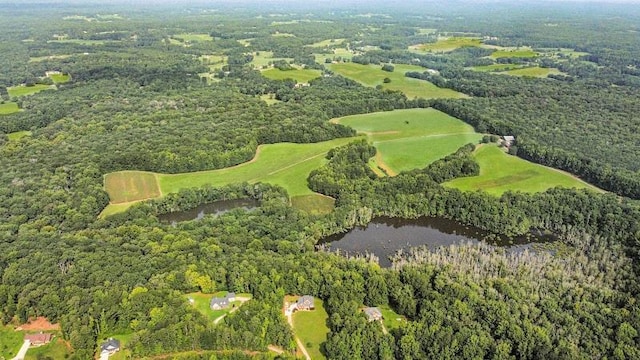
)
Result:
{"points": [[384, 236], [214, 208]]}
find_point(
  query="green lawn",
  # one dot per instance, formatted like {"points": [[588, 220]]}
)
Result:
{"points": [[533, 72], [201, 303], [514, 53], [9, 108], [284, 164], [311, 328], [15, 136], [56, 349], [10, 341], [500, 172], [124, 339], [299, 75], [60, 78], [446, 44], [413, 138], [188, 37], [391, 319], [373, 75], [21, 90]]}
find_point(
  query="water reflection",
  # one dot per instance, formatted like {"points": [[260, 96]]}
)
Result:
{"points": [[214, 208]]}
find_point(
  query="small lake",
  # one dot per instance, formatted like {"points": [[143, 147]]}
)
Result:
{"points": [[384, 236], [214, 208]]}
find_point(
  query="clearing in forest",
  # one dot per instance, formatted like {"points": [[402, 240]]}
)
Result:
{"points": [[413, 138], [284, 164], [500, 172], [60, 78], [124, 353], [446, 44], [23, 90], [532, 72], [514, 53], [299, 75], [373, 75], [202, 303], [188, 37], [497, 67], [310, 327], [9, 108], [328, 42], [263, 59]]}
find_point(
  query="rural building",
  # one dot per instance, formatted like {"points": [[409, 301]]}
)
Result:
{"points": [[218, 303], [507, 140], [38, 339], [305, 303], [109, 348], [373, 313]]}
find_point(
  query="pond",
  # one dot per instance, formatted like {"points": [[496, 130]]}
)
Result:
{"points": [[214, 208], [384, 236]]}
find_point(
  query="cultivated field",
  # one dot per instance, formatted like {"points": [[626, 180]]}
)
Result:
{"points": [[284, 164], [311, 328], [413, 138], [532, 72], [299, 75], [22, 90], [373, 75], [446, 44], [500, 172], [128, 186], [9, 108]]}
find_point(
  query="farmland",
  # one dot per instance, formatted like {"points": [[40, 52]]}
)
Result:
{"points": [[373, 75], [411, 139], [299, 75], [446, 44], [500, 172], [8, 108], [127, 186], [22, 90]]}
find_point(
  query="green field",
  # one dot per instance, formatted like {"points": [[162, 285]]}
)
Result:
{"points": [[21, 90], [311, 328], [56, 349], [10, 341], [532, 72], [391, 319], [60, 78], [299, 75], [201, 303], [341, 53], [496, 67], [314, 204], [9, 108], [446, 44], [193, 37], [514, 53], [127, 186], [264, 58], [500, 172], [413, 138], [284, 164], [15, 136], [328, 42], [373, 75], [81, 41]]}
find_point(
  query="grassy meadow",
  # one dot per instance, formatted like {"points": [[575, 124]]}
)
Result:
{"points": [[60, 78], [311, 328], [299, 75], [188, 37], [535, 71], [413, 138], [22, 90], [446, 44], [373, 75], [9, 108], [284, 164], [496, 67], [514, 53], [15, 136], [328, 42], [262, 59], [10, 341], [500, 172]]}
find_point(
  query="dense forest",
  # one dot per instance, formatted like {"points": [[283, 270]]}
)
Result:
{"points": [[144, 94]]}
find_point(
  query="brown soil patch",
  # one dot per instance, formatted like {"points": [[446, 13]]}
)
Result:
{"points": [[38, 324]]}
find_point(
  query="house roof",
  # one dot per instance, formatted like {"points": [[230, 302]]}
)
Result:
{"points": [[509, 138], [38, 338], [373, 312], [110, 345], [219, 301], [305, 301]]}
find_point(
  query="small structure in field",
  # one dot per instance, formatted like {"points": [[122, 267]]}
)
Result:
{"points": [[507, 140], [38, 339], [110, 347], [218, 303], [373, 313], [305, 303]]}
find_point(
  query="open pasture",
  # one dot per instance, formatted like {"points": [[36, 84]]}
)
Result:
{"points": [[23, 90], [263, 59], [496, 67], [299, 75], [9, 108], [500, 172], [535, 71], [328, 42], [514, 53], [413, 138], [446, 44], [284, 164], [373, 75]]}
